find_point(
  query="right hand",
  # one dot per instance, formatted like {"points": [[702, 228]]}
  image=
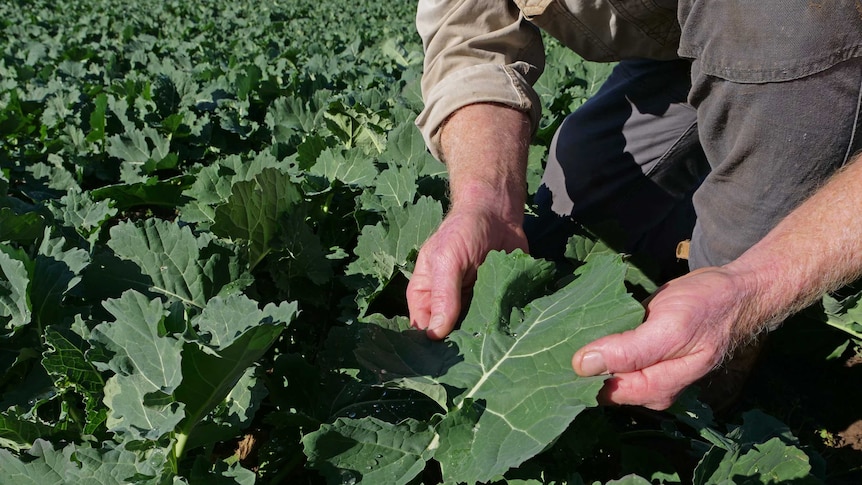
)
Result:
{"points": [[447, 263], [485, 149]]}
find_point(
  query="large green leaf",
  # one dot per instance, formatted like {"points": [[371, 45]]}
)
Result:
{"points": [[396, 186], [233, 414], [15, 306], [179, 265], [18, 433], [519, 392], [762, 450], [82, 464], [79, 210], [56, 271], [66, 362], [139, 411], [147, 365], [213, 183], [406, 359], [350, 167], [22, 228], [148, 192], [254, 210], [49, 467], [241, 334], [370, 450], [137, 341], [120, 466], [301, 254]]}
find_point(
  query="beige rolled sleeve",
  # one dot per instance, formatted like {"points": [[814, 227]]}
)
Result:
{"points": [[476, 51]]}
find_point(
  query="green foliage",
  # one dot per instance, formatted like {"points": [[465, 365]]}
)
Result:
{"points": [[208, 213]]}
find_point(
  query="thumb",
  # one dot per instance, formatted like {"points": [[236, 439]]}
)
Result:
{"points": [[624, 352]]}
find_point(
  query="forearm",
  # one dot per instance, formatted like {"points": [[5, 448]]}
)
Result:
{"points": [[485, 150], [815, 249]]}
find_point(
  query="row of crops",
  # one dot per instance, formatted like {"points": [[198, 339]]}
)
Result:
{"points": [[209, 211]]}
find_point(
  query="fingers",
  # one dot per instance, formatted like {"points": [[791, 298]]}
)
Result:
{"points": [[434, 292], [650, 368], [682, 339], [445, 298]]}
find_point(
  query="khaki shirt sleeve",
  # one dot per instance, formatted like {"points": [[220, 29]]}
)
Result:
{"points": [[476, 51]]}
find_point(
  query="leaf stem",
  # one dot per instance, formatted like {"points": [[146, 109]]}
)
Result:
{"points": [[180, 446], [844, 328]]}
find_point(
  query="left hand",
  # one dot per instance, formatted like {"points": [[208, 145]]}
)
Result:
{"points": [[691, 325]]}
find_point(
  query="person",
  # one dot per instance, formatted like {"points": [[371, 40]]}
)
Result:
{"points": [[733, 124]]}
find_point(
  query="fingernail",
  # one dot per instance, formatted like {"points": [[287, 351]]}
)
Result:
{"points": [[436, 322], [593, 364]]}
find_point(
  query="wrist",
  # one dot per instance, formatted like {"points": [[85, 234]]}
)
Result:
{"points": [[504, 200], [765, 299]]}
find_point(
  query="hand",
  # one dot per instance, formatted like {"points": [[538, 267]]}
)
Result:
{"points": [[447, 263], [691, 325]]}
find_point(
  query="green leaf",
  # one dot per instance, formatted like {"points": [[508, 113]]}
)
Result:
{"points": [[238, 334], [212, 376], [406, 359], [56, 271], [119, 466], [396, 186], [79, 210], [845, 315], [24, 228], [135, 337], [254, 210], [516, 374], [233, 414], [150, 192], [15, 307], [301, 254], [386, 247], [370, 450], [97, 119], [65, 361], [770, 462], [138, 410], [212, 184], [225, 319], [48, 467], [583, 248], [221, 473], [171, 257], [762, 450], [350, 167], [630, 480], [18, 433], [81, 464], [287, 116], [130, 148], [147, 367], [357, 126], [53, 179]]}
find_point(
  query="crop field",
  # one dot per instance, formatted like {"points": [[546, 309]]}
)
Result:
{"points": [[209, 212]]}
